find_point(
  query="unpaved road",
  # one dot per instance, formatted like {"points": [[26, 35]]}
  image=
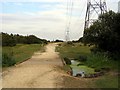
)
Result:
{"points": [[37, 72], [43, 70]]}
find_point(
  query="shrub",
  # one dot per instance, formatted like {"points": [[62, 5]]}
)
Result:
{"points": [[105, 33], [95, 50], [7, 60], [67, 61], [99, 60], [80, 64], [70, 43], [97, 70], [82, 58]]}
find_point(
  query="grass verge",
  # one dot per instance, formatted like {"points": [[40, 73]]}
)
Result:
{"points": [[19, 53], [96, 61], [73, 51]]}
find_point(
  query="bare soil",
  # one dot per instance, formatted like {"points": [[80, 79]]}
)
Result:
{"points": [[37, 72]]}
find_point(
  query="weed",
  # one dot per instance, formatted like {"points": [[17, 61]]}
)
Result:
{"points": [[67, 61], [7, 60]]}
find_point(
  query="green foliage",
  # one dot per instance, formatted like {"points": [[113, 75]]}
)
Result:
{"points": [[82, 58], [70, 43], [105, 33], [100, 60], [20, 52], [95, 50], [96, 61], [12, 40], [33, 40], [8, 40], [67, 61], [0, 40], [58, 40], [71, 51], [7, 60], [80, 40], [82, 54], [108, 81]]}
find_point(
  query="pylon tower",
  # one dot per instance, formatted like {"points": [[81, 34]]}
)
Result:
{"points": [[67, 37], [94, 7]]}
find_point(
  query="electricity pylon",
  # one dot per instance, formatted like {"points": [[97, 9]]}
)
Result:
{"points": [[67, 37], [96, 7]]}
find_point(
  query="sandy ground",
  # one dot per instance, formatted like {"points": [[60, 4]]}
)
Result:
{"points": [[37, 72]]}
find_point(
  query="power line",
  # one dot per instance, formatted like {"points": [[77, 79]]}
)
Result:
{"points": [[81, 25], [69, 16], [80, 14]]}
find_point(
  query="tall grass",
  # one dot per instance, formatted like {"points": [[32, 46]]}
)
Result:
{"points": [[0, 58], [73, 51], [96, 61], [8, 60], [107, 81], [20, 52], [83, 53], [99, 61]]}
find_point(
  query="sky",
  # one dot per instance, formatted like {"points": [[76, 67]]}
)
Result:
{"points": [[47, 19]]}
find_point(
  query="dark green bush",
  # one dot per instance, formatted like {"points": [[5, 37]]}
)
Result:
{"points": [[80, 64], [113, 56], [95, 50], [7, 60], [70, 43], [82, 58], [12, 40], [67, 61], [97, 70]]}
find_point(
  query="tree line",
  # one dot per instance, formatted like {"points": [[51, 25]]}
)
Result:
{"points": [[104, 33], [12, 40]]}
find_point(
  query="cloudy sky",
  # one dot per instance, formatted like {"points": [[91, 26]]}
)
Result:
{"points": [[46, 19]]}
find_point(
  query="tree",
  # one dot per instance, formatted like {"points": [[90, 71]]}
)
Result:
{"points": [[105, 32], [12, 40], [8, 40]]}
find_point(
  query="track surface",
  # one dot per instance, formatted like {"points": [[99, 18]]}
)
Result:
{"points": [[37, 72]]}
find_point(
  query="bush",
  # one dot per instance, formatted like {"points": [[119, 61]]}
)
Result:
{"points": [[105, 33], [100, 60], [97, 70], [95, 50], [114, 56], [67, 61], [7, 60], [70, 43], [80, 64], [12, 40], [82, 58]]}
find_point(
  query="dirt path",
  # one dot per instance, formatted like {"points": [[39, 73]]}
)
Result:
{"points": [[37, 72], [43, 70]]}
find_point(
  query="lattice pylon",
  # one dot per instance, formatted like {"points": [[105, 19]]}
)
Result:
{"points": [[67, 37], [94, 6]]}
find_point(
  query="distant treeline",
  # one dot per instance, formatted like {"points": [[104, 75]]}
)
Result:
{"points": [[57, 40], [13, 39]]}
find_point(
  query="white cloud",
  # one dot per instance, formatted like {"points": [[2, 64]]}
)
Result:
{"points": [[46, 24], [32, 0], [51, 23], [18, 3]]}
